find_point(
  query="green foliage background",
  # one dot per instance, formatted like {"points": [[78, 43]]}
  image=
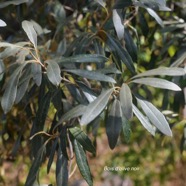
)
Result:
{"points": [[67, 30]]}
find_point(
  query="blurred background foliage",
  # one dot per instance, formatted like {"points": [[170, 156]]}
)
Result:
{"points": [[161, 160]]}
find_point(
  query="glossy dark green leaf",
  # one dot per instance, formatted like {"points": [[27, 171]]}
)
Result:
{"points": [[158, 83], [125, 97], [126, 129], [166, 71], [118, 23], [92, 75], [14, 2], [35, 167], [2, 69], [120, 4], [52, 153], [114, 123], [83, 139], [96, 107], [61, 169], [117, 49], [82, 163], [143, 23], [53, 72], [130, 45], [155, 116], [36, 73], [10, 92], [30, 31], [84, 58], [144, 120]]}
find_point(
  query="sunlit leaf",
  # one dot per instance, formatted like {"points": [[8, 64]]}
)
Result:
{"points": [[30, 31], [158, 83], [144, 120], [155, 116], [166, 71], [114, 123], [96, 107], [83, 139], [82, 162], [53, 72], [92, 75], [118, 24], [2, 23], [125, 97]]}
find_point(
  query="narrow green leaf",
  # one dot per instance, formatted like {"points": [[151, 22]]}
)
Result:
{"points": [[102, 3], [180, 60], [14, 2], [73, 113], [130, 45], [52, 153], [158, 83], [155, 16], [144, 120], [36, 73], [92, 75], [118, 24], [83, 139], [96, 107], [10, 92], [163, 71], [2, 69], [117, 49], [30, 31], [114, 123], [61, 169], [83, 58], [82, 163], [155, 116], [126, 129], [125, 97], [35, 167], [53, 72], [2, 23]]}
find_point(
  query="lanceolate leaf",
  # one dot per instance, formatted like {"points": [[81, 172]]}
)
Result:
{"points": [[166, 71], [155, 116], [156, 16], [125, 97], [118, 24], [120, 4], [35, 167], [92, 75], [10, 92], [2, 69], [102, 3], [82, 163], [74, 112], [30, 31], [144, 120], [61, 169], [126, 129], [114, 123], [96, 107], [53, 72], [157, 82], [83, 139], [84, 58]]}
